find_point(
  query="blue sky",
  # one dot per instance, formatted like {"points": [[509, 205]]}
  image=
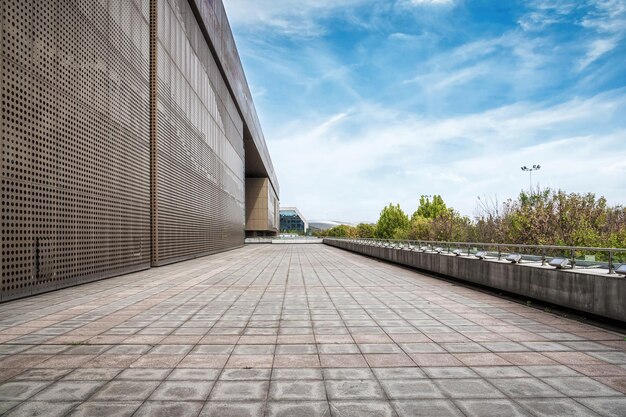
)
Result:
{"points": [[367, 102]]}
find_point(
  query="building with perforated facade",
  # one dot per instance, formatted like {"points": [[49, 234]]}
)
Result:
{"points": [[128, 132]]}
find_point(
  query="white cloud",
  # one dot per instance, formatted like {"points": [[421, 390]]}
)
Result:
{"points": [[330, 173], [596, 49], [298, 19], [545, 13], [607, 23], [430, 2]]}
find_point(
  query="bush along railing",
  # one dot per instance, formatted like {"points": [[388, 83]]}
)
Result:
{"points": [[573, 257]]}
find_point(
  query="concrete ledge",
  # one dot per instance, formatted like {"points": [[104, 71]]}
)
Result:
{"points": [[587, 291], [275, 240]]}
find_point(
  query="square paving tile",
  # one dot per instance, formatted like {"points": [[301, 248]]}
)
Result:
{"points": [[184, 374], [245, 375], [169, 409], [379, 348], [490, 408], [608, 407], [362, 409], [299, 409], [550, 370], [556, 407], [41, 375], [294, 361], [379, 360], [239, 390], [581, 387], [182, 391], [212, 349], [468, 388], [422, 348], [250, 361], [68, 391], [500, 372], [435, 359], [354, 389], [301, 374], [524, 387], [426, 408], [297, 390], [21, 390], [399, 373], [143, 374], [42, 408], [254, 350], [347, 373], [106, 409], [481, 359], [233, 409], [126, 391], [409, 389]]}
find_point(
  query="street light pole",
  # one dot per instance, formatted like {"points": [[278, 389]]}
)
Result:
{"points": [[530, 172]]}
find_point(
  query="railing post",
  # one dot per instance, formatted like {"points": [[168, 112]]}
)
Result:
{"points": [[573, 257], [543, 256], [611, 269], [499, 253]]}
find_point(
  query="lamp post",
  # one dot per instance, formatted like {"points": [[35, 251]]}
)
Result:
{"points": [[530, 172]]}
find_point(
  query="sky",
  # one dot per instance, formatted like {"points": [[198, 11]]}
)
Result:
{"points": [[369, 102]]}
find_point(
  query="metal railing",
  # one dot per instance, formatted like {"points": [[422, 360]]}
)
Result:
{"points": [[578, 256]]}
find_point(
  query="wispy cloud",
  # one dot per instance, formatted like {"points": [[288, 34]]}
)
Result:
{"points": [[607, 24], [544, 13], [400, 156], [428, 2], [384, 101], [301, 19], [597, 48]]}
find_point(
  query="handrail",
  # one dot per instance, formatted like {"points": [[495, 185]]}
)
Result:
{"points": [[431, 244], [504, 245]]}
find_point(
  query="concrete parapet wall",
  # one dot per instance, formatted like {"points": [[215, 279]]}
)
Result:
{"points": [[596, 293], [278, 241]]}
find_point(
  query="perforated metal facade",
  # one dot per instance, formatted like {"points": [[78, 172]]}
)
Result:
{"points": [[75, 141], [99, 176], [200, 155]]}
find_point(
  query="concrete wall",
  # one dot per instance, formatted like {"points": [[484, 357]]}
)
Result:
{"points": [[600, 294]]}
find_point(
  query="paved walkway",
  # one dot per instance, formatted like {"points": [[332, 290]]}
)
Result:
{"points": [[297, 331]]}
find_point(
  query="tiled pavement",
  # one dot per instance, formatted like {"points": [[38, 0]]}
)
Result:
{"points": [[297, 331]]}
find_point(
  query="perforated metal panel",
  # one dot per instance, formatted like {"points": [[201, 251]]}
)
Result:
{"points": [[121, 143], [199, 157], [75, 142]]}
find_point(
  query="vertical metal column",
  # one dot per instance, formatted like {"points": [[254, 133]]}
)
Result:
{"points": [[154, 206]]}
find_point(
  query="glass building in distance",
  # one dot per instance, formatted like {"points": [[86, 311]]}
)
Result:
{"points": [[292, 221]]}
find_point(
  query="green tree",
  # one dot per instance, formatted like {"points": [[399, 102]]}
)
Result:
{"points": [[420, 228], [431, 209], [366, 230], [392, 222], [342, 230]]}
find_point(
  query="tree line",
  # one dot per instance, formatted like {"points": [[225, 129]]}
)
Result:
{"points": [[541, 217]]}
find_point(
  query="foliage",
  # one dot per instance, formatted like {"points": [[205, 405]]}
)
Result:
{"points": [[431, 209], [393, 222], [366, 230], [543, 217], [342, 230]]}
